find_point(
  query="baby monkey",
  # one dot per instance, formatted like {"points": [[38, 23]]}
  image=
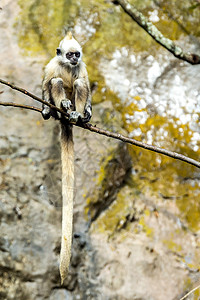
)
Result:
{"points": [[66, 85]]}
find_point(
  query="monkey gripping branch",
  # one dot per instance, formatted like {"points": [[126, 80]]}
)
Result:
{"points": [[95, 129]]}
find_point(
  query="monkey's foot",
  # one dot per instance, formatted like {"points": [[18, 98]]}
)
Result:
{"points": [[66, 105], [74, 117], [46, 112], [87, 114]]}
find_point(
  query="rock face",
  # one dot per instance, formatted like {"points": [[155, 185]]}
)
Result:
{"points": [[30, 186], [126, 245], [30, 225]]}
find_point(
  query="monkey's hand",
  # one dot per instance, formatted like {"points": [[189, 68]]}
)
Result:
{"points": [[75, 117], [66, 105], [87, 114], [46, 112]]}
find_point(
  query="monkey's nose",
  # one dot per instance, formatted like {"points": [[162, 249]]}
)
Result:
{"points": [[74, 61]]}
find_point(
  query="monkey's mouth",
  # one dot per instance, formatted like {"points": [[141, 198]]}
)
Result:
{"points": [[74, 63]]}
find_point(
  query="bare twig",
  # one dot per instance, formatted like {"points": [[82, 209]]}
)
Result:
{"points": [[23, 91], [20, 106], [142, 145], [151, 29], [118, 136], [190, 292]]}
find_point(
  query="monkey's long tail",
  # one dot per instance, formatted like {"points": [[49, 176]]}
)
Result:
{"points": [[67, 159]]}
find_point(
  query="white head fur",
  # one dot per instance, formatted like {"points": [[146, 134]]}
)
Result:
{"points": [[69, 46]]}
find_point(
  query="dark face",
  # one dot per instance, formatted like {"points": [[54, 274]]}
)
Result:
{"points": [[73, 57]]}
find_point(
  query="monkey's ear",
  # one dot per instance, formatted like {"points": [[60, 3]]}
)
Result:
{"points": [[58, 51]]}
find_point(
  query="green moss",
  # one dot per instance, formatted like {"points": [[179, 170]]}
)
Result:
{"points": [[102, 173], [112, 176], [104, 178], [172, 246], [196, 294], [39, 28], [177, 11], [159, 175], [115, 217], [39, 25], [144, 224], [188, 286]]}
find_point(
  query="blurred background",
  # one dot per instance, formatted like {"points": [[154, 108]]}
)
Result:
{"points": [[136, 213]]}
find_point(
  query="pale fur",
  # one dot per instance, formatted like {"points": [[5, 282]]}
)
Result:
{"points": [[62, 81], [56, 70], [67, 157]]}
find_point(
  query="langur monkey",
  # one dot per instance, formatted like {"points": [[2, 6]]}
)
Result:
{"points": [[66, 85]]}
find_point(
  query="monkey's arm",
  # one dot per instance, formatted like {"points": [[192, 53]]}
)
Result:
{"points": [[88, 103], [87, 110], [83, 112], [82, 98], [49, 74], [46, 111]]}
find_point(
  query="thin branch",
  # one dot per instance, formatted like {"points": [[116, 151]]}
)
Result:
{"points": [[190, 292], [151, 29], [20, 106], [23, 91], [118, 136], [125, 139]]}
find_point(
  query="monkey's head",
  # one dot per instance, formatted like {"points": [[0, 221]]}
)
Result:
{"points": [[69, 51]]}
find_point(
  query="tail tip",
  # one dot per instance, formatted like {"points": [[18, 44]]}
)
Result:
{"points": [[63, 275]]}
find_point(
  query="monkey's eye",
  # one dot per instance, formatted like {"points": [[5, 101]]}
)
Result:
{"points": [[69, 54], [77, 54]]}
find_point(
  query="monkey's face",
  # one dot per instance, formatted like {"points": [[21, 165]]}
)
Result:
{"points": [[73, 57], [69, 52]]}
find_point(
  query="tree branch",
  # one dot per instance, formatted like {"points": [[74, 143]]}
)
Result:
{"points": [[21, 106], [142, 145], [107, 133], [184, 297], [151, 29], [23, 91]]}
